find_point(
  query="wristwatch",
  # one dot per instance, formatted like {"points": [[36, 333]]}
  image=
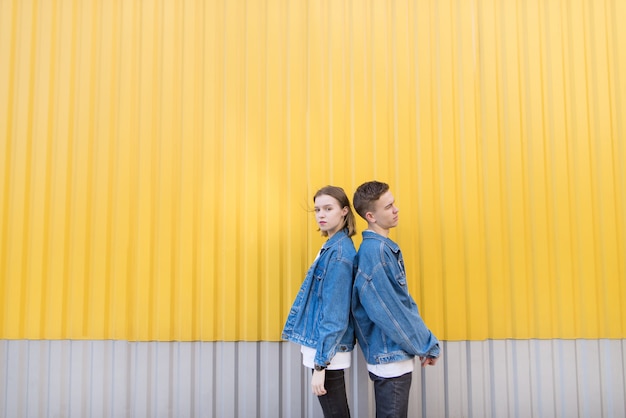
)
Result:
{"points": [[319, 368]]}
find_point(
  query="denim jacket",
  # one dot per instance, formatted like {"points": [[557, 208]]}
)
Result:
{"points": [[386, 319], [320, 316]]}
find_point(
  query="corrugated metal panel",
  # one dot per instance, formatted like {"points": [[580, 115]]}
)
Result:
{"points": [[522, 378], [157, 160]]}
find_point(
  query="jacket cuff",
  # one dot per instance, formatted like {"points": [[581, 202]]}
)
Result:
{"points": [[434, 352]]}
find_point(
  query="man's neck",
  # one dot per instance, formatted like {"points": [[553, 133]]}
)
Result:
{"points": [[380, 231]]}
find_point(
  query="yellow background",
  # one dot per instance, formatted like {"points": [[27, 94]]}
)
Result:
{"points": [[157, 161]]}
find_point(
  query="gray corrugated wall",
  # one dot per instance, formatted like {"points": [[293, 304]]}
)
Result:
{"points": [[496, 378]]}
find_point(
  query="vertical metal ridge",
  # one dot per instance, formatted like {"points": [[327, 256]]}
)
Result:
{"points": [[461, 167], [617, 147], [51, 131], [112, 170], [24, 156], [129, 110], [8, 35], [546, 183], [91, 158], [289, 114], [619, 84], [184, 299], [258, 87], [568, 170], [219, 176], [214, 117], [200, 183], [528, 198], [607, 182], [551, 189], [153, 141], [69, 174], [7, 145], [592, 150], [180, 164], [574, 97]]}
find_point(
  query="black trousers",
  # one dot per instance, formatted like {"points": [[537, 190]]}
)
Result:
{"points": [[392, 395], [335, 402]]}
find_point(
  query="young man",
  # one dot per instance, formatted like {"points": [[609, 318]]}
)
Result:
{"points": [[388, 326]]}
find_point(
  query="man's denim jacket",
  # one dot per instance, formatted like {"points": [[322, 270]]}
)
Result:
{"points": [[386, 319], [320, 316]]}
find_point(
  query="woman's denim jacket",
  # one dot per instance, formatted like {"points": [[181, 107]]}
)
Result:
{"points": [[386, 319], [320, 316]]}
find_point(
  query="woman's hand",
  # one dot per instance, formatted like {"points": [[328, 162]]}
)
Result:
{"points": [[317, 383]]}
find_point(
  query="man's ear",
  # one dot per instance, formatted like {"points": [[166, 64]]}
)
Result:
{"points": [[369, 217]]}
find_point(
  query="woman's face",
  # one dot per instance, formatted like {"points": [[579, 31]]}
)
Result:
{"points": [[330, 216]]}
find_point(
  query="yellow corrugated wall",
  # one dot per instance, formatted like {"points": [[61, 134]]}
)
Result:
{"points": [[157, 160]]}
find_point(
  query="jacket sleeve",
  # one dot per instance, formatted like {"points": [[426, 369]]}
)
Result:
{"points": [[335, 299], [389, 305]]}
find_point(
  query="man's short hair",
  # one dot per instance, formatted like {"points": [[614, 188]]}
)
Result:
{"points": [[366, 194]]}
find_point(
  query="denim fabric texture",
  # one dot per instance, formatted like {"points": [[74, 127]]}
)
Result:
{"points": [[392, 395], [387, 322], [320, 315], [335, 403]]}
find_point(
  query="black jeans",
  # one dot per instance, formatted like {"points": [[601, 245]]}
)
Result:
{"points": [[392, 395], [335, 402]]}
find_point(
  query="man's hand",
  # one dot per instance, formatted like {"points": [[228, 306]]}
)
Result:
{"points": [[317, 383], [428, 361]]}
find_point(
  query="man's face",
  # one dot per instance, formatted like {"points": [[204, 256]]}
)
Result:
{"points": [[385, 212]]}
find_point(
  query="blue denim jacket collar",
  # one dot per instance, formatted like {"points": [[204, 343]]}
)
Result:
{"points": [[334, 240], [368, 234]]}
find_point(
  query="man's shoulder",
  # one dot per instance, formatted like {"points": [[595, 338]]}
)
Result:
{"points": [[370, 245], [378, 243], [370, 254]]}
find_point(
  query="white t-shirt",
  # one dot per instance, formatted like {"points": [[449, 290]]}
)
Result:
{"points": [[342, 360], [395, 369]]}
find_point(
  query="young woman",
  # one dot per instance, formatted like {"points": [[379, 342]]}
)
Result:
{"points": [[319, 319]]}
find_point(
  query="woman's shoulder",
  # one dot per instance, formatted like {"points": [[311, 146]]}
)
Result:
{"points": [[344, 249]]}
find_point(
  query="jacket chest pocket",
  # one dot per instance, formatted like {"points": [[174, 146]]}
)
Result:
{"points": [[318, 280], [400, 273], [401, 279]]}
